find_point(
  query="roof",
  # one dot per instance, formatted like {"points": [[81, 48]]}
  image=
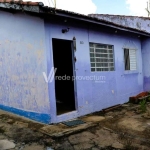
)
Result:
{"points": [[38, 7], [21, 2], [105, 15]]}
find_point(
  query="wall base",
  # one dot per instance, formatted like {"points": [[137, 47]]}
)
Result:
{"points": [[43, 118]]}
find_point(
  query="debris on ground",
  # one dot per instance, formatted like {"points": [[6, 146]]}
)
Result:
{"points": [[123, 127]]}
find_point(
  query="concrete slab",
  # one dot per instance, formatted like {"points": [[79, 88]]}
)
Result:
{"points": [[34, 146], [60, 130]]}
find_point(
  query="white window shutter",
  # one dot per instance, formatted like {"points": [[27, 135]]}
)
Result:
{"points": [[133, 63]]}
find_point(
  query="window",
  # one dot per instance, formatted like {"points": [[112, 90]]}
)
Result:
{"points": [[102, 57], [130, 59]]}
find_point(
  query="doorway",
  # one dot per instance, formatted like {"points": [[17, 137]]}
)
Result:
{"points": [[64, 85]]}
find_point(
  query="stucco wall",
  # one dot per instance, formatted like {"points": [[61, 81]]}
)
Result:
{"points": [[22, 61], [146, 62], [141, 23], [26, 52], [93, 96]]}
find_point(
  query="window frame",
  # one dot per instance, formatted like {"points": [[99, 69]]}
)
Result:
{"points": [[113, 57], [130, 71]]}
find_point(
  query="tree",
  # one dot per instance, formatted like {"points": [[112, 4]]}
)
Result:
{"points": [[148, 8]]}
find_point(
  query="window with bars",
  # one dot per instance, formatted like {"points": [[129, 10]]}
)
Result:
{"points": [[130, 61], [102, 57]]}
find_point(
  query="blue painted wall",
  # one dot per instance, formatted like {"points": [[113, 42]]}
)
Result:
{"points": [[23, 89], [93, 96]]}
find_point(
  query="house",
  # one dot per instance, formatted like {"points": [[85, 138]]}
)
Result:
{"points": [[58, 65], [140, 23]]}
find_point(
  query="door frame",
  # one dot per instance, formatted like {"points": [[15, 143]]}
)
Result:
{"points": [[74, 74]]}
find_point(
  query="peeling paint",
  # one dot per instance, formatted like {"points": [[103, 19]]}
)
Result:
{"points": [[98, 95], [22, 61]]}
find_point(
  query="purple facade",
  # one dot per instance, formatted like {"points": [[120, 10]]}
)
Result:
{"points": [[26, 51]]}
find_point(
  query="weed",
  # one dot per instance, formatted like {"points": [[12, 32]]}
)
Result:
{"points": [[148, 99], [143, 105]]}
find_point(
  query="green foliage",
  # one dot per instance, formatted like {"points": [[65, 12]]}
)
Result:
{"points": [[143, 105], [148, 99]]}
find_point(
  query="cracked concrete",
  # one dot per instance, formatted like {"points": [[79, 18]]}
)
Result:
{"points": [[112, 130]]}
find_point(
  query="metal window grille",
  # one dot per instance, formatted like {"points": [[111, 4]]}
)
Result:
{"points": [[101, 57]]}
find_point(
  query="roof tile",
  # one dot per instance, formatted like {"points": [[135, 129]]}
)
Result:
{"points": [[20, 2], [91, 17]]}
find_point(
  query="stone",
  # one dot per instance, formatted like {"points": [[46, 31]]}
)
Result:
{"points": [[109, 117], [48, 141], [117, 145], [57, 146], [33, 146], [49, 148], [95, 148], [5, 144], [83, 146], [81, 137], [2, 137], [105, 138], [66, 146]]}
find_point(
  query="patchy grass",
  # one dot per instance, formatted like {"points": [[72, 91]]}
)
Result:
{"points": [[143, 105]]}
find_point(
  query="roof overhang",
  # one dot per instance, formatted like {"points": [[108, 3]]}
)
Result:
{"points": [[40, 9]]}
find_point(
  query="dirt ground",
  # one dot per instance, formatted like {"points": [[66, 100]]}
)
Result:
{"points": [[125, 127]]}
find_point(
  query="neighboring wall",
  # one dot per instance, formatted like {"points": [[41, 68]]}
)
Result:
{"points": [[22, 61], [146, 63], [141, 23], [91, 95]]}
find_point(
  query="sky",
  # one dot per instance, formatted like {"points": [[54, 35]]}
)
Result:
{"points": [[118, 7]]}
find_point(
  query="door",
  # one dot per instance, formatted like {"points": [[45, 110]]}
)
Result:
{"points": [[64, 83]]}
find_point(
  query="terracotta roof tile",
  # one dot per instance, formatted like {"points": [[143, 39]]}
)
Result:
{"points": [[91, 17], [20, 2]]}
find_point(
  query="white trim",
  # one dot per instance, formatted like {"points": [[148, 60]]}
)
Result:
{"points": [[110, 56]]}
